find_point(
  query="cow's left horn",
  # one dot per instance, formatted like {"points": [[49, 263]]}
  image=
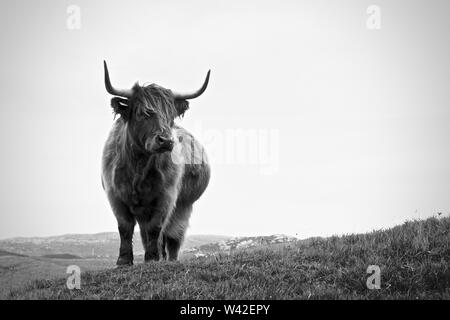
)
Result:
{"points": [[195, 94], [126, 93]]}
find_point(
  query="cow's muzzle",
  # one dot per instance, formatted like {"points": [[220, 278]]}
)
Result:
{"points": [[160, 144]]}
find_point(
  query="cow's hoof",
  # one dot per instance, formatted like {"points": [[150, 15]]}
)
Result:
{"points": [[151, 258], [123, 262]]}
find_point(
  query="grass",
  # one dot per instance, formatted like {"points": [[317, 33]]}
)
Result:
{"points": [[17, 271], [414, 259]]}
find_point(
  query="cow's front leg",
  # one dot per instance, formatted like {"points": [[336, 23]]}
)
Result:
{"points": [[150, 233], [126, 223], [126, 230]]}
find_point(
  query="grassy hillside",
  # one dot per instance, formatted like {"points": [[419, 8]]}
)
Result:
{"points": [[17, 271], [414, 259]]}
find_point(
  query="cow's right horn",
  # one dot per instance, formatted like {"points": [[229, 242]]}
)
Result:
{"points": [[126, 93], [195, 94]]}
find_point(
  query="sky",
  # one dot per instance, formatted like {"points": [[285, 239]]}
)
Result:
{"points": [[317, 120]]}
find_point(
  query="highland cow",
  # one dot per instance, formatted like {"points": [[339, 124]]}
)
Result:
{"points": [[152, 169]]}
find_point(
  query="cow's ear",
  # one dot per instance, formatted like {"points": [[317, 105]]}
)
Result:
{"points": [[120, 106], [181, 106]]}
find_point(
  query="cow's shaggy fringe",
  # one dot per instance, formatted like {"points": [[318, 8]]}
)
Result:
{"points": [[149, 100], [153, 99]]}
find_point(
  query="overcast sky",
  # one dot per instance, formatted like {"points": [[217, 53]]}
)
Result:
{"points": [[348, 126]]}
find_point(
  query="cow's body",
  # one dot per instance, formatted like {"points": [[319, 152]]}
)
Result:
{"points": [[154, 188], [144, 182]]}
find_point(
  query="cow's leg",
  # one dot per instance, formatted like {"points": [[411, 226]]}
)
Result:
{"points": [[175, 230], [126, 223], [126, 231], [173, 247], [150, 233]]}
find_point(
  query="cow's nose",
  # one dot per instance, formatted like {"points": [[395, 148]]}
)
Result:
{"points": [[165, 142], [162, 139]]}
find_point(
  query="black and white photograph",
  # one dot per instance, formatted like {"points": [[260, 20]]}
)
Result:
{"points": [[242, 152]]}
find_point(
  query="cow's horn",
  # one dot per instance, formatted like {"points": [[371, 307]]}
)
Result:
{"points": [[126, 93], [195, 94]]}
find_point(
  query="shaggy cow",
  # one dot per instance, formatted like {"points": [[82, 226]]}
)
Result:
{"points": [[152, 170]]}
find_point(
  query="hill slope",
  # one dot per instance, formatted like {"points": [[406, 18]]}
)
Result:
{"points": [[18, 271], [7, 253], [414, 259]]}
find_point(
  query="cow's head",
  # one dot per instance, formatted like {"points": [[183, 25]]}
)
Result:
{"points": [[149, 112]]}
